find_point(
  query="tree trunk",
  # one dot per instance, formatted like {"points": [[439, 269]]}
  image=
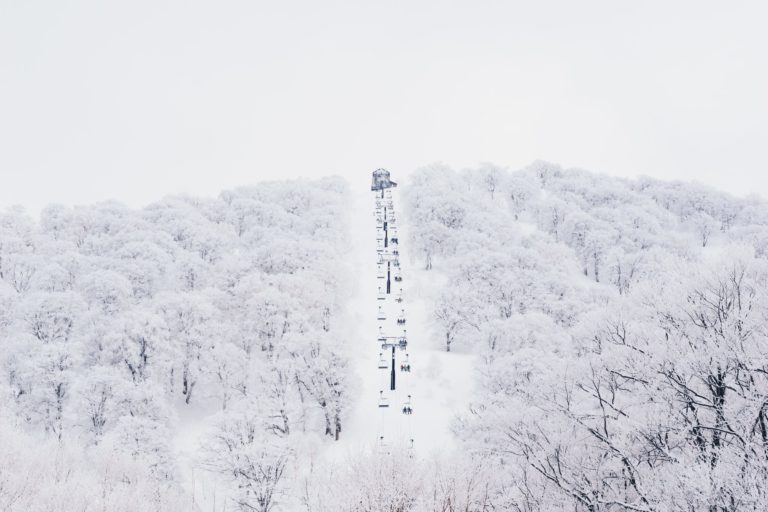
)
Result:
{"points": [[190, 387], [328, 430]]}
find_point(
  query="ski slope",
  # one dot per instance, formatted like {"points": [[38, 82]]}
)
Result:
{"points": [[439, 383]]}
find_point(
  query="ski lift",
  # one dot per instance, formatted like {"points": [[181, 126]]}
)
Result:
{"points": [[383, 365], [398, 278], [407, 408], [402, 341], [383, 447], [382, 338], [401, 318], [383, 401], [399, 298], [380, 315], [381, 295], [380, 273], [405, 366]]}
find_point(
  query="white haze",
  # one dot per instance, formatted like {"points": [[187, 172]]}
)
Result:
{"points": [[136, 100]]}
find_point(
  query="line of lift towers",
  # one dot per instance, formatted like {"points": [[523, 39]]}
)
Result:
{"points": [[388, 276]]}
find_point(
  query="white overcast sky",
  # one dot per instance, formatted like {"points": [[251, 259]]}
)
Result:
{"points": [[133, 100]]}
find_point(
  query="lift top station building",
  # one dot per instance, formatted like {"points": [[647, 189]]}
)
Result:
{"points": [[381, 180]]}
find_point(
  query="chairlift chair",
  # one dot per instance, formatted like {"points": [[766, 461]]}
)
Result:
{"points": [[380, 315], [407, 408], [381, 295], [383, 401], [383, 447], [402, 342], [405, 365], [383, 365], [401, 318]]}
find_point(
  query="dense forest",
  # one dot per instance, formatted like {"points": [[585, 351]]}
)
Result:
{"points": [[617, 330], [620, 328], [114, 321]]}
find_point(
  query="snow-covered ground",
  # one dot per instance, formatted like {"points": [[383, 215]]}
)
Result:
{"points": [[439, 383], [209, 490]]}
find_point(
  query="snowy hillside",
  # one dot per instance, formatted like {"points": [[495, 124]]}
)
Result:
{"points": [[620, 332], [188, 340], [560, 341]]}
